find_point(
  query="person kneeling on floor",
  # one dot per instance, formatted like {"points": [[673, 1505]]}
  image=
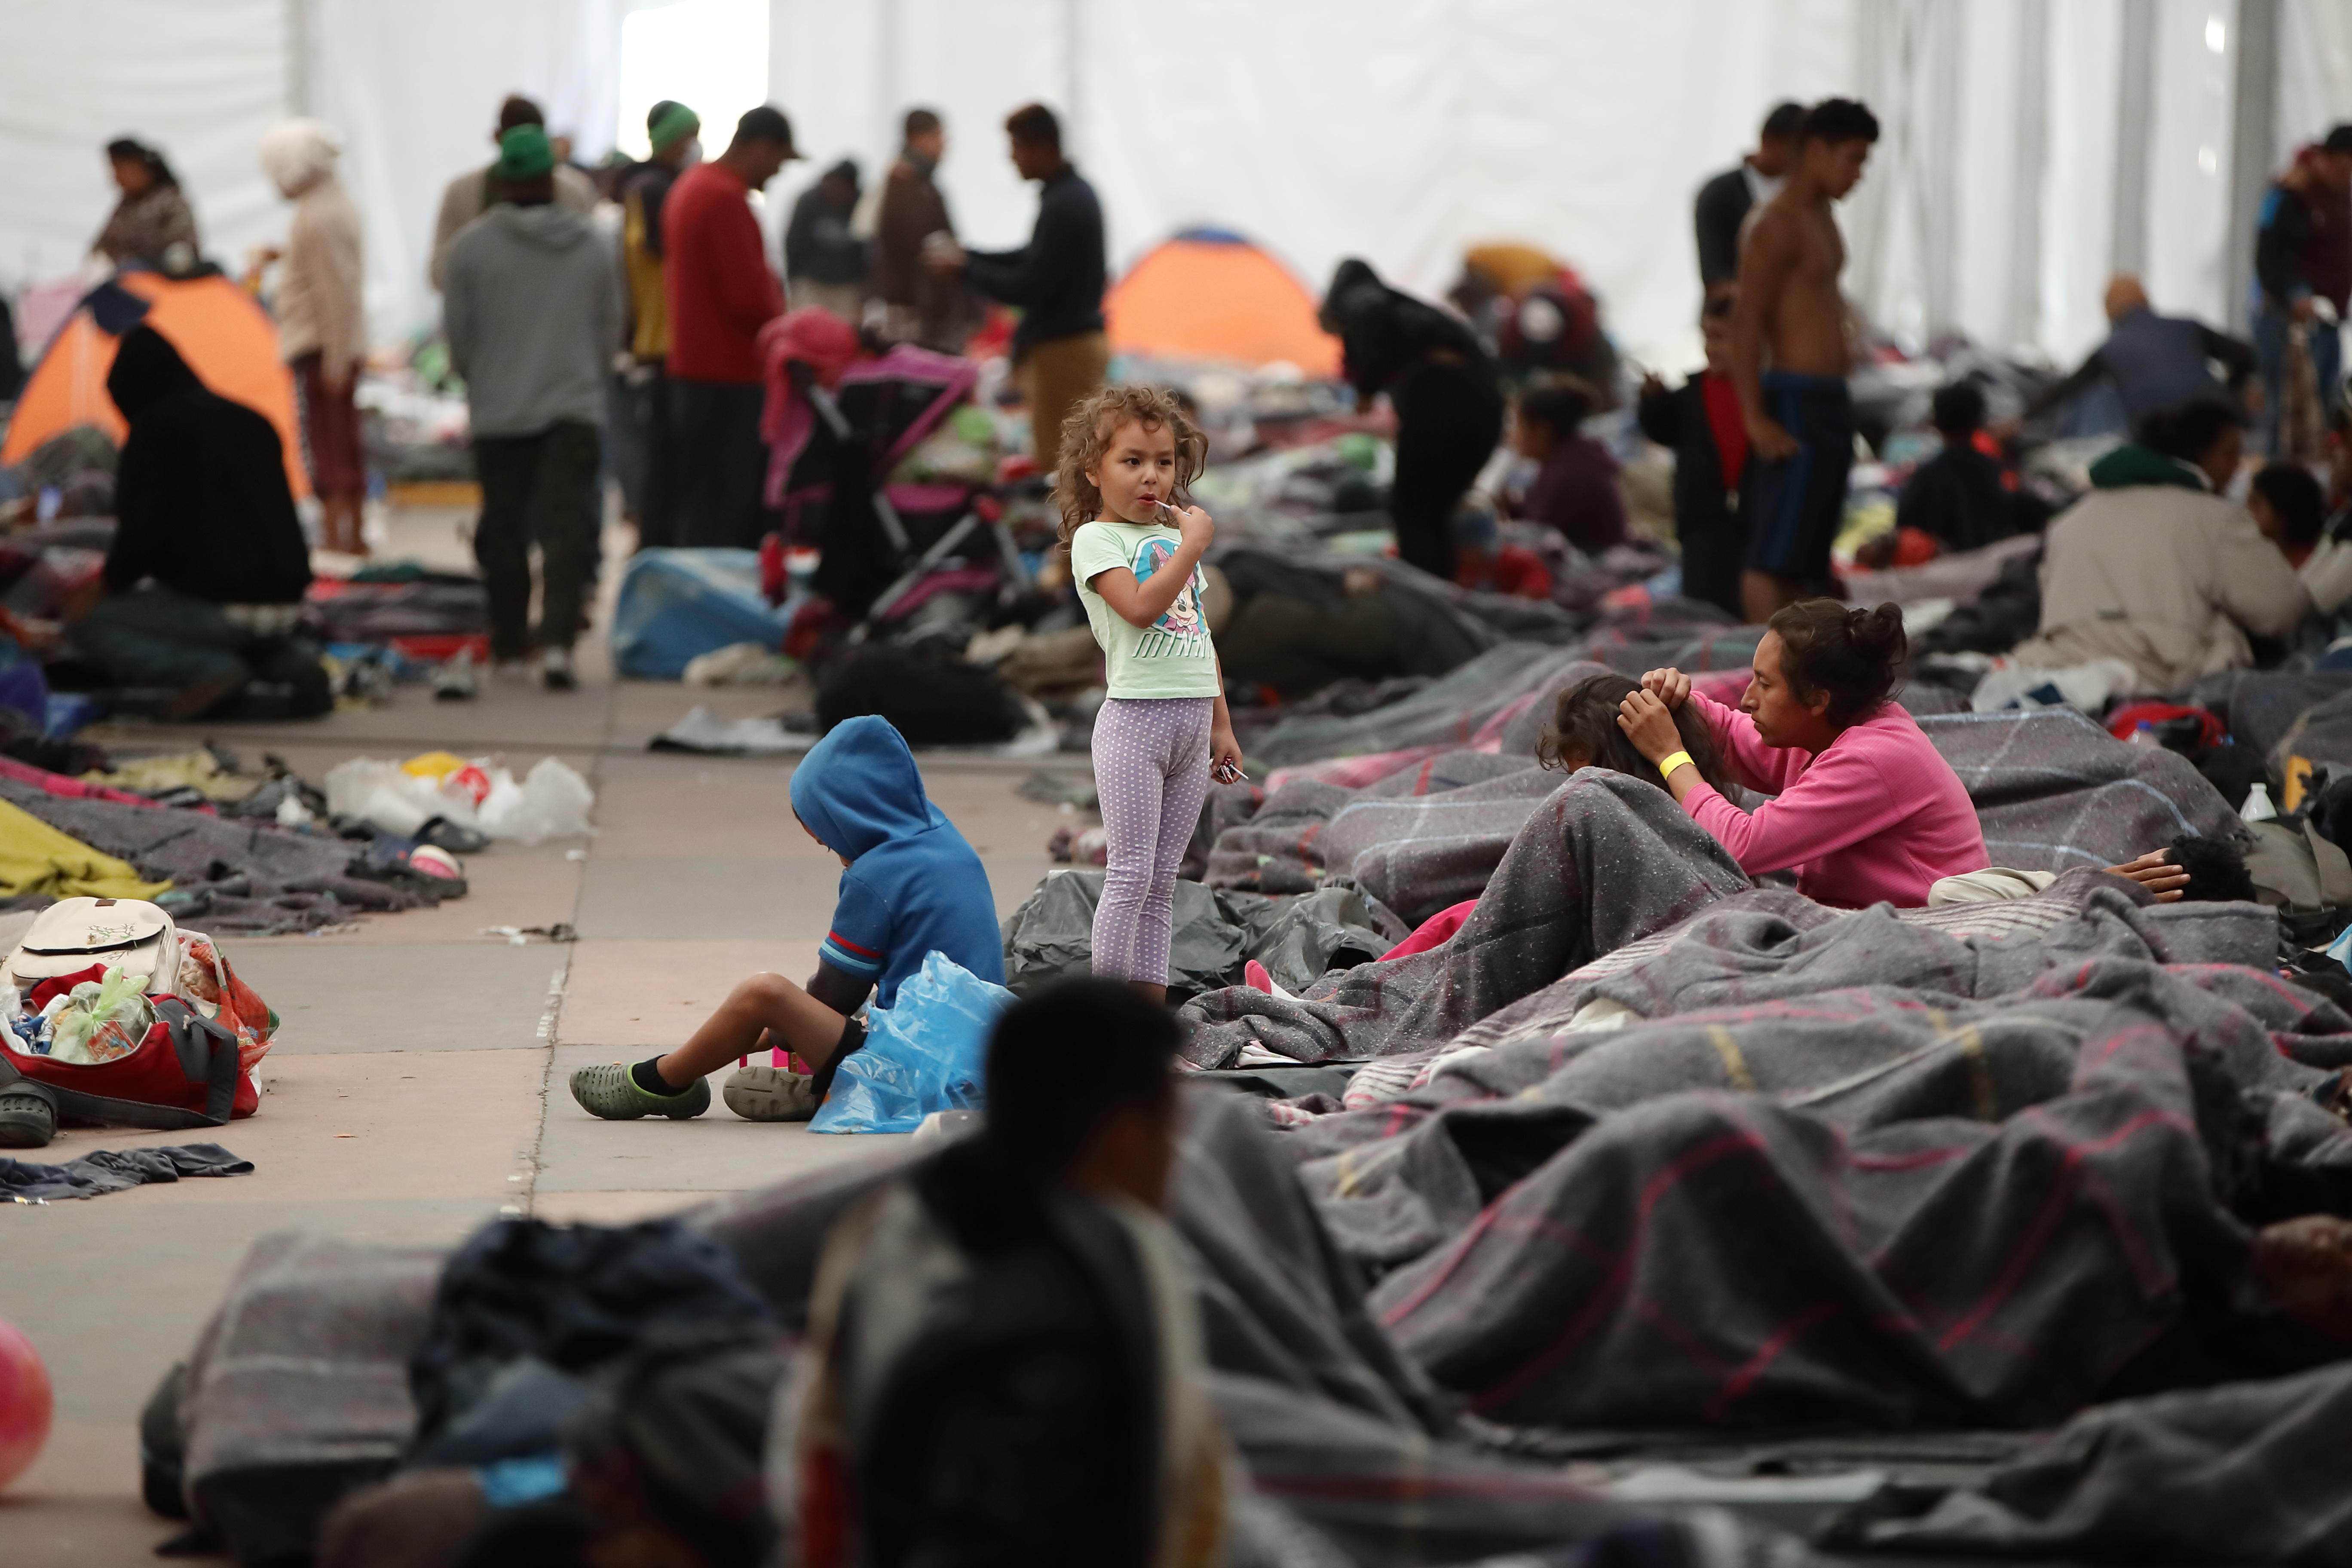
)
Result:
{"points": [[911, 886], [206, 578], [1003, 1361]]}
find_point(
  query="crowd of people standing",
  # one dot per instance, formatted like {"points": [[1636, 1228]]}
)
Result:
{"points": [[611, 324], [655, 370]]}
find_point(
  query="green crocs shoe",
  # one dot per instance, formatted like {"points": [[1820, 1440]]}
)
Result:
{"points": [[770, 1094], [608, 1091]]}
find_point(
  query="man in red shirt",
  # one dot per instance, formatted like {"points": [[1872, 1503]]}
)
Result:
{"points": [[720, 294]]}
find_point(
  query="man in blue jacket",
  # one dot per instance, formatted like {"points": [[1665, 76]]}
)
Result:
{"points": [[911, 886], [1058, 349]]}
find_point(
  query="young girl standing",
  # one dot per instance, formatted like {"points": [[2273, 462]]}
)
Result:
{"points": [[1127, 454]]}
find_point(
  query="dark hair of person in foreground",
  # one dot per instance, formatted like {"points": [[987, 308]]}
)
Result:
{"points": [[1851, 654], [1064, 1063], [1584, 733]]}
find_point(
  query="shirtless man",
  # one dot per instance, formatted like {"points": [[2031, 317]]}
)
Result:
{"points": [[1798, 413]]}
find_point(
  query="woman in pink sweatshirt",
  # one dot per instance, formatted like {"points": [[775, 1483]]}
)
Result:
{"points": [[1865, 809]]}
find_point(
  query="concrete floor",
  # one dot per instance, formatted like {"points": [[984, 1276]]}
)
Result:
{"points": [[418, 1087]]}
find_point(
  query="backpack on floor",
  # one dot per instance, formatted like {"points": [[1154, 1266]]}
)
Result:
{"points": [[2304, 877]]}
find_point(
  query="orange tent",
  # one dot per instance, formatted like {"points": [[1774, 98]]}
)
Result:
{"points": [[222, 332], [1208, 294]]}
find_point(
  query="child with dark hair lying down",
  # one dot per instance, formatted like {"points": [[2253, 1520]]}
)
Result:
{"points": [[2198, 869]]}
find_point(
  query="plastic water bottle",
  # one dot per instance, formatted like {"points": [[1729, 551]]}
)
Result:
{"points": [[2258, 807]]}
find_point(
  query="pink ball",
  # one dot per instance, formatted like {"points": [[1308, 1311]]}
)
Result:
{"points": [[25, 1405]]}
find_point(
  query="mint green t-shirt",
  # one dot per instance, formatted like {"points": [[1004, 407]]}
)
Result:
{"points": [[1172, 656]]}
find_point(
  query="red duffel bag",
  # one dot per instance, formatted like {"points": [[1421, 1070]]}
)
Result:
{"points": [[184, 1059], [183, 1073]]}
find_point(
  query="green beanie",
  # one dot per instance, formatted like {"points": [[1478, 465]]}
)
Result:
{"points": [[525, 153], [675, 125]]}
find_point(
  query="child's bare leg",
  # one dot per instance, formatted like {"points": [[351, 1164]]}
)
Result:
{"points": [[801, 1023], [1155, 994]]}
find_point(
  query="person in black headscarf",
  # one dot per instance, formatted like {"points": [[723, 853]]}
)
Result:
{"points": [[1448, 401], [204, 581]]}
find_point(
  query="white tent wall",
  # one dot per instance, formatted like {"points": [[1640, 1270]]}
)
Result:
{"points": [[2315, 67], [1400, 130], [2062, 141], [202, 80], [1404, 133], [416, 86]]}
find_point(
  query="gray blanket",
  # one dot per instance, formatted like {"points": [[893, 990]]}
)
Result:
{"points": [[261, 878], [1856, 1207], [2248, 1472], [1605, 859], [300, 1388], [1431, 834], [2052, 791]]}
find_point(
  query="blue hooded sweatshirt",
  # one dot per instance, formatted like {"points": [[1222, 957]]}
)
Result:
{"points": [[912, 886]]}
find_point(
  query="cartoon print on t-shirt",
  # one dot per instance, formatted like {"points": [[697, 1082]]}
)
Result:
{"points": [[1180, 631]]}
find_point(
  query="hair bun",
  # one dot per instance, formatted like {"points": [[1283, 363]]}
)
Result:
{"points": [[1877, 634]]}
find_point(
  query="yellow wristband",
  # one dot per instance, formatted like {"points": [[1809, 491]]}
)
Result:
{"points": [[1679, 759]]}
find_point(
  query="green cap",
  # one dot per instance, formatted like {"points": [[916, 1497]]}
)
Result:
{"points": [[673, 125], [525, 153]]}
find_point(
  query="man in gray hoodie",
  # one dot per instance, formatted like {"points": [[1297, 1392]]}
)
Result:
{"points": [[532, 310]]}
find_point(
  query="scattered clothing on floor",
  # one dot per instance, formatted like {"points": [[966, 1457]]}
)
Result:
{"points": [[106, 1170], [36, 858]]}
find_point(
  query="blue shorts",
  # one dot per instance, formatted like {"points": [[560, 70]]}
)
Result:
{"points": [[1799, 502]]}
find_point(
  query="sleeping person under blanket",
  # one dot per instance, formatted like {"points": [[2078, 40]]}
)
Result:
{"points": [[911, 886]]}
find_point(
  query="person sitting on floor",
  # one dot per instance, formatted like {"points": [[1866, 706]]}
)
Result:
{"points": [[911, 886], [1585, 731], [1575, 488], [2157, 568], [1960, 497], [1867, 810], [1004, 1355], [206, 578]]}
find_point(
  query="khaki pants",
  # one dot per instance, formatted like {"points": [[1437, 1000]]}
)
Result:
{"points": [[1056, 377]]}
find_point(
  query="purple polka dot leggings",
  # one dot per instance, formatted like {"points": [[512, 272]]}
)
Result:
{"points": [[1151, 772]]}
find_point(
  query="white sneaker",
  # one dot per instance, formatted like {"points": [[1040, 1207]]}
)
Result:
{"points": [[555, 670]]}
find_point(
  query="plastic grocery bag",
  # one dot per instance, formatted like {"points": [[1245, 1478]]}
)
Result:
{"points": [[922, 1054], [99, 1020], [552, 801]]}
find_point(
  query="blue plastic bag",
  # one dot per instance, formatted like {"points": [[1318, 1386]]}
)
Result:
{"points": [[923, 1054], [678, 605]]}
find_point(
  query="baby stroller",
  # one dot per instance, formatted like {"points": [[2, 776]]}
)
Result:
{"points": [[886, 547]]}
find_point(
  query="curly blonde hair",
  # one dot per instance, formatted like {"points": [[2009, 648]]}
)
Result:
{"points": [[1086, 439]]}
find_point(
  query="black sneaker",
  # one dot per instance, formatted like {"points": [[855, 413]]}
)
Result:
{"points": [[28, 1115]]}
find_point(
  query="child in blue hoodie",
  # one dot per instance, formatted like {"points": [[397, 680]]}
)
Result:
{"points": [[911, 886]]}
